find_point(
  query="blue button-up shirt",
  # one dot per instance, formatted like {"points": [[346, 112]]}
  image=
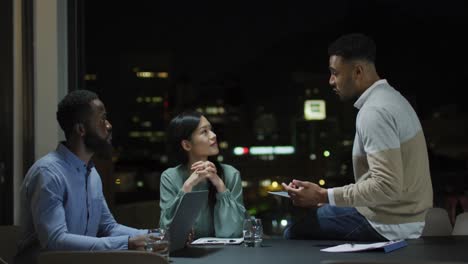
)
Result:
{"points": [[63, 207]]}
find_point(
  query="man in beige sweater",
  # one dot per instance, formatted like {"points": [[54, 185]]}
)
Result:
{"points": [[393, 186]]}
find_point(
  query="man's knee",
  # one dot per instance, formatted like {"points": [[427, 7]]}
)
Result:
{"points": [[291, 232], [287, 233]]}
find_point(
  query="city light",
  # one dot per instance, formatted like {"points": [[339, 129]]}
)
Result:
{"points": [[284, 150], [245, 150], [220, 158], [265, 151], [157, 99], [265, 183], [270, 150], [245, 184], [90, 77], [140, 184], [267, 157], [146, 124], [274, 184], [321, 182], [213, 110], [261, 150], [252, 211], [145, 74], [162, 75], [284, 223], [238, 151], [117, 181], [223, 145], [158, 135], [313, 157], [347, 143], [326, 154], [148, 74], [274, 223], [314, 110], [134, 134]]}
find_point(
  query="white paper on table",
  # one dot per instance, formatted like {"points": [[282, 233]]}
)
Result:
{"points": [[218, 241], [387, 246], [283, 194]]}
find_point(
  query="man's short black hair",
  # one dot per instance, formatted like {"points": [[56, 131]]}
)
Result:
{"points": [[74, 108], [354, 47]]}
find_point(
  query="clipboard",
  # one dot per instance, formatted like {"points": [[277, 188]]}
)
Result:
{"points": [[385, 246]]}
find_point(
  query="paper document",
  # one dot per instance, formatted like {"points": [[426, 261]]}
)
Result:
{"points": [[284, 194], [218, 241], [385, 246]]}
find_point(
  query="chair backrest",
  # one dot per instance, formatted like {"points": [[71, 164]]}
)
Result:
{"points": [[437, 223], [9, 236], [387, 262], [461, 225], [100, 257], [138, 215]]}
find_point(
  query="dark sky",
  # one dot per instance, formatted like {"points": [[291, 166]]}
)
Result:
{"points": [[420, 45]]}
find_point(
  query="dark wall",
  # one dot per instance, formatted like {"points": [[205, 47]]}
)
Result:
{"points": [[6, 112]]}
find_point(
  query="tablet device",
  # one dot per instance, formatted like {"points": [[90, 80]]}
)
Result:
{"points": [[186, 213]]}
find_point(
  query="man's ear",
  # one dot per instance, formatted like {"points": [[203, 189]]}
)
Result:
{"points": [[358, 70], [186, 145], [79, 129]]}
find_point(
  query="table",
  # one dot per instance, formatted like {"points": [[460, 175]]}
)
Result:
{"points": [[447, 249]]}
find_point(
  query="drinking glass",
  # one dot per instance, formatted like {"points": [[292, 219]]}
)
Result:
{"points": [[253, 232], [157, 241]]}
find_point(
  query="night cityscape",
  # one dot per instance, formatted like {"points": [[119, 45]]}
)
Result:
{"points": [[252, 70]]}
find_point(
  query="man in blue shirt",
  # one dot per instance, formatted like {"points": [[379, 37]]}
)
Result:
{"points": [[62, 203]]}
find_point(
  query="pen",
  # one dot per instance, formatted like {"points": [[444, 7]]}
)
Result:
{"points": [[212, 241]]}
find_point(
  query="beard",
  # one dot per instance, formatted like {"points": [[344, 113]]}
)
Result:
{"points": [[348, 97], [347, 91], [101, 147]]}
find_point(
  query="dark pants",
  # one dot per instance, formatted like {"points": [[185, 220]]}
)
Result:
{"points": [[333, 223]]}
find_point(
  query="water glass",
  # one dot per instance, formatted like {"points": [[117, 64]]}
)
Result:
{"points": [[157, 241], [253, 232]]}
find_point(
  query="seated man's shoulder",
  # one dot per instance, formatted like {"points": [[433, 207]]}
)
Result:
{"points": [[50, 164]]}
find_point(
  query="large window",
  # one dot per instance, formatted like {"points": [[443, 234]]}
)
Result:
{"points": [[250, 70]]}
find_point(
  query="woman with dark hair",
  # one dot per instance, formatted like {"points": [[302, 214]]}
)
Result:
{"points": [[193, 145]]}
